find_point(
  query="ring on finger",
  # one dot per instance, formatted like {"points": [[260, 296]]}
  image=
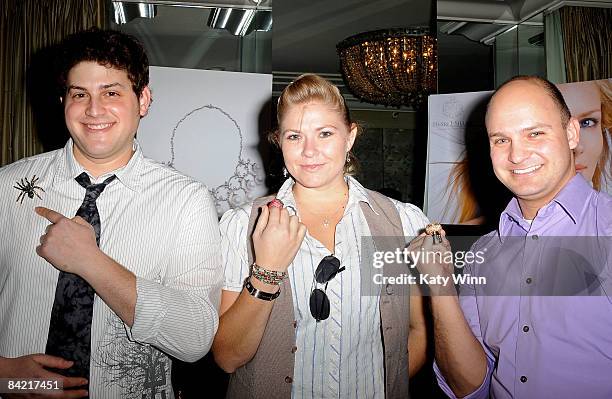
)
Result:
{"points": [[437, 238], [433, 229], [275, 203]]}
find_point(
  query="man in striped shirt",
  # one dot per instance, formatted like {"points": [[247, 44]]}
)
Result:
{"points": [[155, 272]]}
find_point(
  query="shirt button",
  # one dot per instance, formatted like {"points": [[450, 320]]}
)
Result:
{"points": [[534, 237], [294, 349], [523, 379], [529, 280], [525, 328], [294, 323], [288, 380]]}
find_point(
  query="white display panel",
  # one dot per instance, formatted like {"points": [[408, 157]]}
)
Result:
{"points": [[449, 115], [206, 124]]}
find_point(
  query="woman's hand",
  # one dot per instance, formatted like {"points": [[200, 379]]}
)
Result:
{"points": [[277, 238]]}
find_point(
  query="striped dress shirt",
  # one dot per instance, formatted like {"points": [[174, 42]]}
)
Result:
{"points": [[341, 357], [157, 223]]}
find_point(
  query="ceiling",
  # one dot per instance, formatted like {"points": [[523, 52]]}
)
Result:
{"points": [[484, 20], [259, 4], [305, 32], [504, 11]]}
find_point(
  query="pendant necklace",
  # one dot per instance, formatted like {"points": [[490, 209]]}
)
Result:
{"points": [[327, 220]]}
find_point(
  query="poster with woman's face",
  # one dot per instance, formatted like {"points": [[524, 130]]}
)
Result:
{"points": [[461, 186], [588, 102]]}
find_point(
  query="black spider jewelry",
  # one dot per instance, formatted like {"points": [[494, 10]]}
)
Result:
{"points": [[29, 188]]}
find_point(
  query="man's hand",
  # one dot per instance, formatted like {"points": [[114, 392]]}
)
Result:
{"points": [[68, 244], [433, 263], [34, 366]]}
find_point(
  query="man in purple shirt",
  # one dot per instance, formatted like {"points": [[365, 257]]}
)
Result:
{"points": [[541, 326]]}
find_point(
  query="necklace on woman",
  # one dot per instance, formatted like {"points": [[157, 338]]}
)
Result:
{"points": [[327, 219]]}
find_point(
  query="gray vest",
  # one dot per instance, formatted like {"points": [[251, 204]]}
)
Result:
{"points": [[269, 374]]}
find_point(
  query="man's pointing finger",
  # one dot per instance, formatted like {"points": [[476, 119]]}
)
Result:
{"points": [[49, 214]]}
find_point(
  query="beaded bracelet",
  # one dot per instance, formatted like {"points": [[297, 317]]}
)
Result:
{"points": [[267, 276]]}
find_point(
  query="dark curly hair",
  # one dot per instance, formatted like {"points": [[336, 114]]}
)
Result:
{"points": [[109, 48]]}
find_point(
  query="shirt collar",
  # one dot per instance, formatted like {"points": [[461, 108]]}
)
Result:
{"points": [[357, 193], [510, 216], [285, 194], [571, 199], [574, 196], [68, 168]]}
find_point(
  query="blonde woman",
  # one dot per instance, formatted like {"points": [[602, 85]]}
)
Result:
{"points": [[296, 320]]}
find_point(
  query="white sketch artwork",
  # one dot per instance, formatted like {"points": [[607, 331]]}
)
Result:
{"points": [[206, 125]]}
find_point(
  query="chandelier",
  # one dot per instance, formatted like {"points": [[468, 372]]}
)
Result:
{"points": [[391, 67]]}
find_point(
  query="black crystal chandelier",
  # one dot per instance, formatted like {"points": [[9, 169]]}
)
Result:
{"points": [[392, 67]]}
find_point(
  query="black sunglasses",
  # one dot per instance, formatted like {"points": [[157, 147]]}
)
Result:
{"points": [[319, 302]]}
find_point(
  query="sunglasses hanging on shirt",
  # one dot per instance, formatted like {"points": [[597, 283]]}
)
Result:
{"points": [[326, 271]]}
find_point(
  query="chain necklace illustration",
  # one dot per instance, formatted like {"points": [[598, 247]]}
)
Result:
{"points": [[237, 189]]}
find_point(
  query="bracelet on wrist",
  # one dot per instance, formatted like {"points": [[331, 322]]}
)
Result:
{"points": [[272, 277], [254, 292]]}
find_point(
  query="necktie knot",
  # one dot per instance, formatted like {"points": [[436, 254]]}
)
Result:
{"points": [[93, 190], [89, 209]]}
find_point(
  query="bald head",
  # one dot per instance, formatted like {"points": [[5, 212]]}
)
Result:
{"points": [[531, 141], [548, 88]]}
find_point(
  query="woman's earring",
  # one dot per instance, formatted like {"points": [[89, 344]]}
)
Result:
{"points": [[285, 173], [348, 157]]}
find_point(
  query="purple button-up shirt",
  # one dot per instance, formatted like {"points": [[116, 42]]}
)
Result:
{"points": [[544, 318]]}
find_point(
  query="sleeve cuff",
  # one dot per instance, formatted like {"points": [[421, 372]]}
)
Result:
{"points": [[232, 287], [148, 313], [481, 393]]}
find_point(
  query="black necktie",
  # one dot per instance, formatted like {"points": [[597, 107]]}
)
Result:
{"points": [[70, 328]]}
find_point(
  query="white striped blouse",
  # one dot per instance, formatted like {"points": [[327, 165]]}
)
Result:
{"points": [[341, 357]]}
